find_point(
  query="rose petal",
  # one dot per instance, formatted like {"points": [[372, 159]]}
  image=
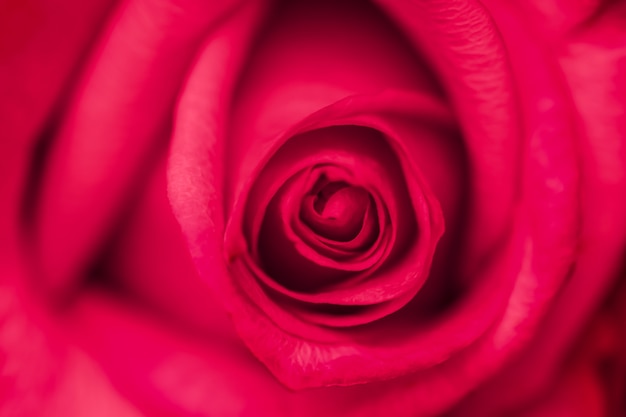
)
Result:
{"points": [[43, 374], [105, 146], [338, 211], [325, 51], [600, 131], [168, 373], [35, 35], [149, 265], [461, 42]]}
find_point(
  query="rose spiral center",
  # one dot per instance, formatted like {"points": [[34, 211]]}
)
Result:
{"points": [[336, 210]]}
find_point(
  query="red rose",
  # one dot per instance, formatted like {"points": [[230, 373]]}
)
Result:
{"points": [[387, 208]]}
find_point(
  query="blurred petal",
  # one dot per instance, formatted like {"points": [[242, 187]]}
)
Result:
{"points": [[36, 34], [40, 373], [117, 122], [165, 373], [591, 380], [601, 129]]}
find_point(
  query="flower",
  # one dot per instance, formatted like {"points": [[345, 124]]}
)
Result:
{"points": [[312, 154]]}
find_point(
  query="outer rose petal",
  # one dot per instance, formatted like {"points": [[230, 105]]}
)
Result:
{"points": [[559, 18], [595, 90], [591, 381], [106, 146], [34, 35], [166, 373], [151, 266], [40, 375]]}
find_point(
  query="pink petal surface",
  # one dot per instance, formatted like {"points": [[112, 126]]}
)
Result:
{"points": [[105, 147], [460, 41], [43, 375], [40, 374], [603, 230]]}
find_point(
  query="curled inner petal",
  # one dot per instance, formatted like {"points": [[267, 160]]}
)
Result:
{"points": [[337, 210]]}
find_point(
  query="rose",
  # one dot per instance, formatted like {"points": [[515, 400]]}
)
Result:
{"points": [[479, 401], [549, 176]]}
